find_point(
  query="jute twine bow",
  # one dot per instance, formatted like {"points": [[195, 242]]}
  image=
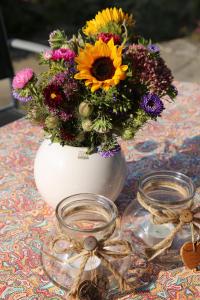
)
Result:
{"points": [[163, 216], [91, 248]]}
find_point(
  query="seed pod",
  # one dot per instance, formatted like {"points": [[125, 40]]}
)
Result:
{"points": [[51, 122], [87, 125], [85, 109], [36, 116]]}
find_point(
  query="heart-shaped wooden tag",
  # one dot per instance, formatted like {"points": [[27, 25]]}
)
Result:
{"points": [[190, 258]]}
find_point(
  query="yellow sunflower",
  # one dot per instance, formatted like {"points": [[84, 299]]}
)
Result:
{"points": [[100, 65], [104, 20]]}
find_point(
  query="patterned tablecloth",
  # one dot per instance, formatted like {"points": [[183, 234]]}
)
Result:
{"points": [[171, 143]]}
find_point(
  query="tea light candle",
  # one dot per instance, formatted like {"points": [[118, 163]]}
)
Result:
{"points": [[90, 243]]}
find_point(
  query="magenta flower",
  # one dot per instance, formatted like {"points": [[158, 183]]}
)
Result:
{"points": [[22, 78], [63, 53], [106, 37]]}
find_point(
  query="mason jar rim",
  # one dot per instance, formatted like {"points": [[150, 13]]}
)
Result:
{"points": [[173, 174], [112, 206]]}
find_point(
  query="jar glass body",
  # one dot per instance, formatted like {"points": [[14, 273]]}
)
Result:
{"points": [[161, 190], [79, 217]]}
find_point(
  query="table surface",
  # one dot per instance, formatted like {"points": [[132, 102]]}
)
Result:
{"points": [[172, 143]]}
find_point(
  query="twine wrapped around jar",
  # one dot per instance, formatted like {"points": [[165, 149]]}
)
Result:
{"points": [[79, 253], [90, 248], [164, 216]]}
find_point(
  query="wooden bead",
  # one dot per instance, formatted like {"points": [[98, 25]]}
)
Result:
{"points": [[90, 243], [186, 216]]}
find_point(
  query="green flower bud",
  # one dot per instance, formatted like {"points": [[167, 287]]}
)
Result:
{"points": [[87, 125], [80, 41], [51, 122], [85, 109], [102, 125], [127, 134], [56, 39]]}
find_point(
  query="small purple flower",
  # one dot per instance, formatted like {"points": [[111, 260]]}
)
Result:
{"points": [[152, 105], [60, 78], [20, 98], [109, 153], [114, 98], [65, 116], [153, 48]]}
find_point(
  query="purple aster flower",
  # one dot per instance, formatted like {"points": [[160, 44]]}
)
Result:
{"points": [[109, 153], [153, 48], [20, 98], [152, 105], [71, 67], [60, 78]]}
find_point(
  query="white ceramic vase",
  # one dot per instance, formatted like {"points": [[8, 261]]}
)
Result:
{"points": [[61, 171]]}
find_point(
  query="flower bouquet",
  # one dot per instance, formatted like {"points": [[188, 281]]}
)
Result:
{"points": [[103, 83]]}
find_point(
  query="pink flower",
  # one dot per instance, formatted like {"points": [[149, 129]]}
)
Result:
{"points": [[22, 78], [63, 53], [106, 37], [47, 54]]}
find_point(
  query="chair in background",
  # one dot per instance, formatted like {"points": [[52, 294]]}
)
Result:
{"points": [[12, 111]]}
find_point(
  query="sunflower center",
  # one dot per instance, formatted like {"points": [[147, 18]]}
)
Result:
{"points": [[103, 68]]}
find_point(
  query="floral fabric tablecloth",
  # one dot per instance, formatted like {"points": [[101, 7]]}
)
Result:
{"points": [[171, 143]]}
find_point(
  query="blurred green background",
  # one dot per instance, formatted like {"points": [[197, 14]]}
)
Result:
{"points": [[158, 19]]}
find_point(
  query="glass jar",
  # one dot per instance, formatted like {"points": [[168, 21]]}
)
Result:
{"points": [[161, 190], [84, 218]]}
